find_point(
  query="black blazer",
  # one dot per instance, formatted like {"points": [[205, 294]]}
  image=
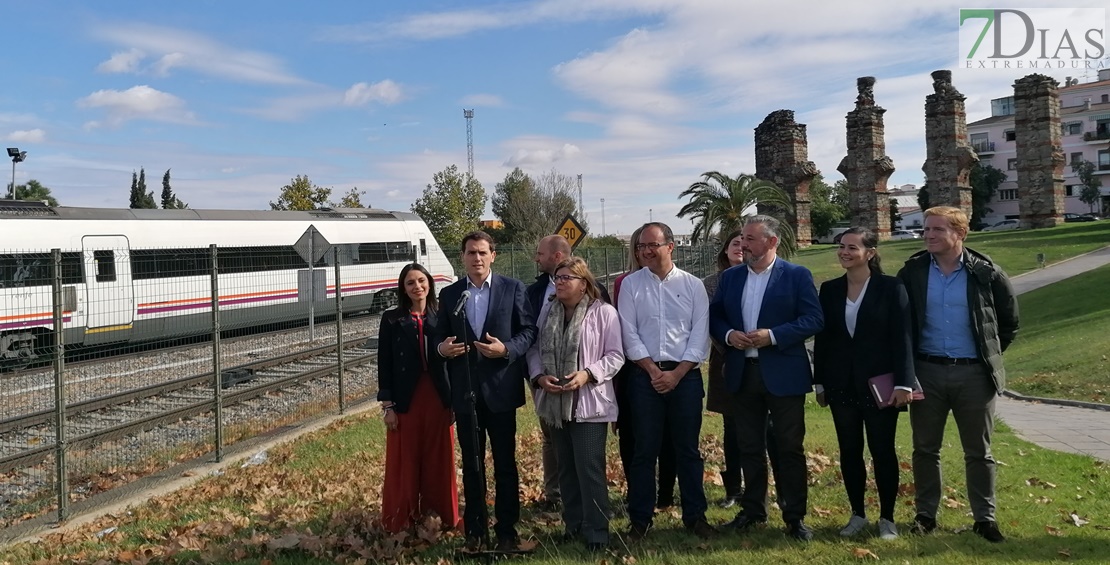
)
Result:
{"points": [[883, 340], [399, 359], [509, 319]]}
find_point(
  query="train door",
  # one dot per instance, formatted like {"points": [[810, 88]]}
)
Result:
{"points": [[110, 300]]}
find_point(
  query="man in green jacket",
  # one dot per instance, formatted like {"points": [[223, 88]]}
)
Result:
{"points": [[965, 315]]}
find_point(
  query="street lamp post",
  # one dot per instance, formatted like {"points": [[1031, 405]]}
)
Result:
{"points": [[603, 217], [17, 157], [650, 219]]}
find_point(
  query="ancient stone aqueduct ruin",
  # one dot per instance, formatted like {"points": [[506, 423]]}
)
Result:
{"points": [[782, 155]]}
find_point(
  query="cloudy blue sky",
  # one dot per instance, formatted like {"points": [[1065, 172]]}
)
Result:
{"points": [[638, 96]]}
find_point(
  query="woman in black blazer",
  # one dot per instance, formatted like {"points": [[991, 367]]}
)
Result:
{"points": [[867, 333], [416, 405]]}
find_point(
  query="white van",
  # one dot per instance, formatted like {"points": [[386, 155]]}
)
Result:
{"points": [[832, 236]]}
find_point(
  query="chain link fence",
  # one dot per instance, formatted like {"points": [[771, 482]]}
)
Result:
{"points": [[119, 362]]}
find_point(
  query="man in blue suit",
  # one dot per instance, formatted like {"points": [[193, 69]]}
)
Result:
{"points": [[764, 310], [484, 354]]}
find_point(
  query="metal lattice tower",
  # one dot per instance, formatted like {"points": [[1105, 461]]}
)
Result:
{"points": [[469, 115]]}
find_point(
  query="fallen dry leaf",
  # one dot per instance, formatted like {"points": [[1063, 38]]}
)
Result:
{"points": [[1052, 530], [1077, 521], [863, 553]]}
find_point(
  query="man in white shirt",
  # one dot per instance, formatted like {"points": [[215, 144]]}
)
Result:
{"points": [[764, 310], [665, 326]]}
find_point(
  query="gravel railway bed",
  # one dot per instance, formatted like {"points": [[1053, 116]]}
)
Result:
{"points": [[132, 452]]}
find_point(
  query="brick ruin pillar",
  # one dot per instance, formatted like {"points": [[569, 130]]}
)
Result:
{"points": [[867, 166], [782, 157], [948, 153], [1040, 154]]}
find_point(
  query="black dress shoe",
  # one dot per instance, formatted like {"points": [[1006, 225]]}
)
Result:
{"points": [[636, 533], [475, 544], [988, 531], [702, 529], [743, 522], [548, 505], [508, 545], [923, 524], [798, 530]]}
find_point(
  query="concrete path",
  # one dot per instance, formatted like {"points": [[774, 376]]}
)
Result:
{"points": [[1072, 428]]}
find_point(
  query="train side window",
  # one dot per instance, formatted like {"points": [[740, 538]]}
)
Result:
{"points": [[105, 265], [423, 247]]}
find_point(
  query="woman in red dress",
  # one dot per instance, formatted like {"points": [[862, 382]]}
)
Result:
{"points": [[415, 397]]}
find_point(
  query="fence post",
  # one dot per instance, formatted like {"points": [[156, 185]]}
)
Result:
{"points": [[339, 330], [59, 390], [217, 376]]}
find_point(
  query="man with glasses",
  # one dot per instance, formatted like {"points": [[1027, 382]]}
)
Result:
{"points": [[764, 310], [665, 326]]}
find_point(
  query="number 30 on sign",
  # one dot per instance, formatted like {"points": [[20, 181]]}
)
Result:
{"points": [[572, 230]]}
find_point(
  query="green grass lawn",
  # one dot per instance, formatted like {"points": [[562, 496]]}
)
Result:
{"points": [[1016, 251], [316, 501], [1062, 346]]}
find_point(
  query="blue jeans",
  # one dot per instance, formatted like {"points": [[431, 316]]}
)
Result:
{"points": [[682, 408]]}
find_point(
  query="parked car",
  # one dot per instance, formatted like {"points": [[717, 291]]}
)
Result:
{"points": [[1069, 217], [1004, 225], [897, 235]]}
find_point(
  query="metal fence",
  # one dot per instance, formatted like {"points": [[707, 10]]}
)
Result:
{"points": [[120, 362]]}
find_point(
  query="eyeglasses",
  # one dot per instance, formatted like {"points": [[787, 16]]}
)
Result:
{"points": [[565, 278], [652, 246]]}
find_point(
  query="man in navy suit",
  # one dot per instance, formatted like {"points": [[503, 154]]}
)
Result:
{"points": [[764, 310], [484, 354]]}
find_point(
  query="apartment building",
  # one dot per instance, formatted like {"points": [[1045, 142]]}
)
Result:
{"points": [[1085, 125]]}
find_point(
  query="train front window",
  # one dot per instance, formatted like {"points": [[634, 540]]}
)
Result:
{"points": [[105, 265]]}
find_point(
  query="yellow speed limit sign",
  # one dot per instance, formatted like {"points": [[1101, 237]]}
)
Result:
{"points": [[572, 230]]}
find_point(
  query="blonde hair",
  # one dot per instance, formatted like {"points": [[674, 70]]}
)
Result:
{"points": [[633, 259], [957, 219], [577, 266]]}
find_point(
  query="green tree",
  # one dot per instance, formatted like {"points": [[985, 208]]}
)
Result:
{"points": [[301, 194], [985, 180], [34, 190], [826, 209], [451, 206], [351, 199], [600, 241], [895, 215], [718, 204], [1091, 184], [170, 201], [533, 208], [140, 198], [923, 197]]}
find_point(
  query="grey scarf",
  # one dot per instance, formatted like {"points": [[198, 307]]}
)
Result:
{"points": [[559, 341]]}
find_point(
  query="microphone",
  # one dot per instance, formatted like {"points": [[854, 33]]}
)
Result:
{"points": [[462, 302]]}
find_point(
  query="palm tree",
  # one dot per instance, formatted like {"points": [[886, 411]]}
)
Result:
{"points": [[718, 202]]}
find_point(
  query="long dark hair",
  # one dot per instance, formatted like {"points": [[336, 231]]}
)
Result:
{"points": [[431, 303], [869, 241], [722, 255]]}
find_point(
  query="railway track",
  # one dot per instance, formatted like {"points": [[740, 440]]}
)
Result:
{"points": [[94, 421]]}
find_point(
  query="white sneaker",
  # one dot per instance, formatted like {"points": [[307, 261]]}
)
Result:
{"points": [[855, 526], [887, 529]]}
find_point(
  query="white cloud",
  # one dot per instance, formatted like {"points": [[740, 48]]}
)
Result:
{"points": [[393, 193], [386, 92], [27, 136], [137, 102], [177, 48], [122, 62], [541, 157], [482, 100]]}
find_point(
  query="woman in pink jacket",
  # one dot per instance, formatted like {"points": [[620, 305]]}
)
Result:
{"points": [[573, 362]]}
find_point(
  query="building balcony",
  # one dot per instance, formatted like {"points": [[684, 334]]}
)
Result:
{"points": [[1096, 136], [983, 147]]}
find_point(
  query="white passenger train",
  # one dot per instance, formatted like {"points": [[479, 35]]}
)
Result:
{"points": [[143, 275]]}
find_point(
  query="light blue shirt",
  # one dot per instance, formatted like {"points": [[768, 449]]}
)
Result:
{"points": [[947, 330], [478, 305]]}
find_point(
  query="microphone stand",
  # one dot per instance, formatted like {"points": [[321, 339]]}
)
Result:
{"points": [[478, 463]]}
